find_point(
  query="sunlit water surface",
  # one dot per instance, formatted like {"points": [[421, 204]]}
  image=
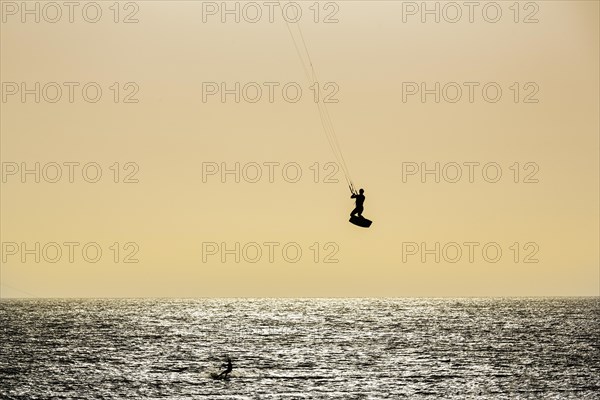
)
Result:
{"points": [[300, 348]]}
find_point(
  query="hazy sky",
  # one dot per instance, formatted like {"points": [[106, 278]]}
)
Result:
{"points": [[180, 224]]}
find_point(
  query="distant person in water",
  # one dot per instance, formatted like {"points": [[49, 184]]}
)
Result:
{"points": [[225, 373], [360, 200]]}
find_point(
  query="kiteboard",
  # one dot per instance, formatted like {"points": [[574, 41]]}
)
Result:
{"points": [[219, 377], [360, 221]]}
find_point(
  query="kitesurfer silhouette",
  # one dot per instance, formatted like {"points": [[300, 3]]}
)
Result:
{"points": [[360, 199], [228, 370]]}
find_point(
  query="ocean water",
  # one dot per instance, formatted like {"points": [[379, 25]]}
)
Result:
{"points": [[301, 348]]}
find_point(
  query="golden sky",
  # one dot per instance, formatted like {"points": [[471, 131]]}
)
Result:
{"points": [[374, 53]]}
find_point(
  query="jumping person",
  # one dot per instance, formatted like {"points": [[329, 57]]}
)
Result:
{"points": [[360, 199]]}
